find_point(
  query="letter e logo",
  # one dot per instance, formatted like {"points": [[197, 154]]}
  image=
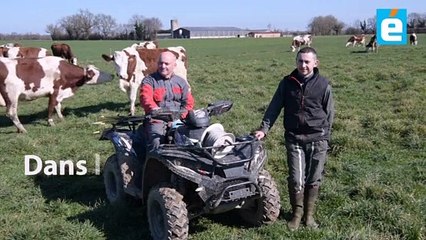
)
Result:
{"points": [[391, 26]]}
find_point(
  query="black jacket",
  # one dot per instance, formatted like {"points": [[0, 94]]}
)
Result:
{"points": [[308, 108]]}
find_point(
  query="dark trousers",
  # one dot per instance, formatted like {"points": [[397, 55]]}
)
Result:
{"points": [[306, 164], [155, 132]]}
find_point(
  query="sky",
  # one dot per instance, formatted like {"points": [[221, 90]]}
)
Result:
{"points": [[31, 16]]}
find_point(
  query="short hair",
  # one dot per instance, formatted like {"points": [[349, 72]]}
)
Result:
{"points": [[307, 50]]}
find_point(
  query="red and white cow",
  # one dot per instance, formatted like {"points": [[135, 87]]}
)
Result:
{"points": [[413, 39], [63, 50], [53, 77], [146, 44], [26, 52], [132, 65], [4, 48], [356, 40], [9, 45], [300, 40]]}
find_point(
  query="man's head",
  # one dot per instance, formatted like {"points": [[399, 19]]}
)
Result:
{"points": [[166, 64], [306, 61]]}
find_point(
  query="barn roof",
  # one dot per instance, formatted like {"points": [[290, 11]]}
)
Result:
{"points": [[213, 29]]}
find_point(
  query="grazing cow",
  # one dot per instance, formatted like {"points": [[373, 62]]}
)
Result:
{"points": [[4, 48], [9, 45], [300, 40], [53, 77], [413, 39], [132, 65], [356, 40], [26, 52], [64, 51], [146, 44], [372, 44]]}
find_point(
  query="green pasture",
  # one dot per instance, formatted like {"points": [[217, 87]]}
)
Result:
{"points": [[375, 178]]}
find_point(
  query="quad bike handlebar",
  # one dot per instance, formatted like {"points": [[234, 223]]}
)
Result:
{"points": [[167, 115], [213, 109]]}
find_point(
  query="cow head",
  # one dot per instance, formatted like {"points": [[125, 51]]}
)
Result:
{"points": [[92, 75], [126, 63]]}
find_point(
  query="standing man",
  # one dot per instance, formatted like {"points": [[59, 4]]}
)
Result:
{"points": [[164, 90], [308, 105]]}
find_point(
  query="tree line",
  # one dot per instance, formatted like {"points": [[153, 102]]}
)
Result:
{"points": [[330, 25], [85, 25]]}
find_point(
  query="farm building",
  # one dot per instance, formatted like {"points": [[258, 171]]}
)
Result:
{"points": [[212, 32], [264, 34], [209, 32]]}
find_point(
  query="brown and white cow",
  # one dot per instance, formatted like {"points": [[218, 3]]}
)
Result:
{"points": [[63, 50], [356, 40], [4, 48], [300, 40], [132, 65], [146, 44], [372, 44], [413, 39], [26, 52], [9, 45], [53, 77]]}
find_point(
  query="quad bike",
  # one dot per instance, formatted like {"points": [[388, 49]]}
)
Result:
{"points": [[198, 169]]}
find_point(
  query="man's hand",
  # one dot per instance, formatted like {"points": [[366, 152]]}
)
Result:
{"points": [[259, 134], [184, 114]]}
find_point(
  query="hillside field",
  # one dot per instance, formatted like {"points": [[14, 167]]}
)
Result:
{"points": [[375, 178]]}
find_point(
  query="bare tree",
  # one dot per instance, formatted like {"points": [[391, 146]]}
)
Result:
{"points": [[55, 31], [71, 26], [87, 22], [151, 27], [421, 21], [371, 25], [325, 25], [338, 27], [105, 25], [413, 19]]}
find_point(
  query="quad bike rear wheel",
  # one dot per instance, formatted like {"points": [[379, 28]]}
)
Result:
{"points": [[113, 182], [167, 213], [264, 210]]}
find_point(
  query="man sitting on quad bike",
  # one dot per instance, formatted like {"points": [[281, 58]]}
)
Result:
{"points": [[191, 167], [164, 90]]}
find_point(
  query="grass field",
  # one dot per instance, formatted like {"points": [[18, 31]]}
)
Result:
{"points": [[375, 179]]}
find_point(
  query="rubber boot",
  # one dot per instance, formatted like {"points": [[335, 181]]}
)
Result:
{"points": [[311, 195], [296, 201]]}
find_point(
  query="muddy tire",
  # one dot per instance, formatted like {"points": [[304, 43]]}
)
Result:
{"points": [[167, 214], [264, 210], [113, 182]]}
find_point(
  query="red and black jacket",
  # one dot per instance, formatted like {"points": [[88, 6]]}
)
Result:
{"points": [[173, 93]]}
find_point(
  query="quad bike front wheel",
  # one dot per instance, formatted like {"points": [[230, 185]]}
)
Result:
{"points": [[263, 210], [113, 182], [167, 214]]}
